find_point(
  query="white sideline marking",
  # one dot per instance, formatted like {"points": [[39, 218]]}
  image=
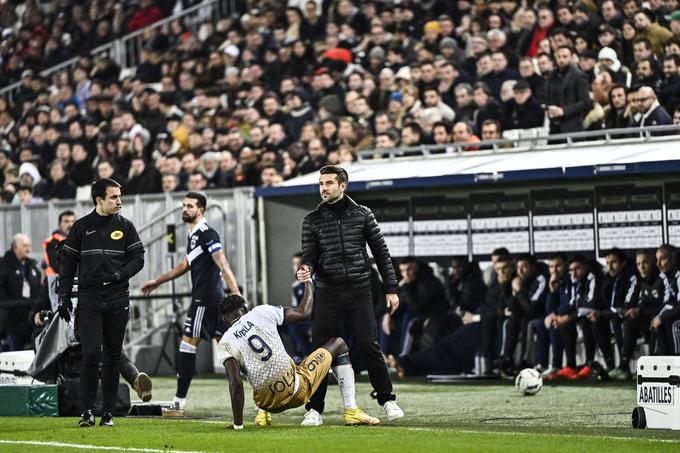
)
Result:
{"points": [[92, 447], [503, 433]]}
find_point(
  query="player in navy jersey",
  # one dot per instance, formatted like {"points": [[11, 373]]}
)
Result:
{"points": [[206, 260]]}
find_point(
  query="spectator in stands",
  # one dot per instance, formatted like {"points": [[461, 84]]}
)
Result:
{"points": [[499, 74], [523, 111], [651, 112], [491, 130], [432, 99], [143, 178], [19, 284], [441, 133], [487, 106], [170, 183], [566, 95], [57, 186], [669, 93], [646, 74], [676, 116], [656, 34], [462, 133], [465, 105], [617, 113], [411, 134]]}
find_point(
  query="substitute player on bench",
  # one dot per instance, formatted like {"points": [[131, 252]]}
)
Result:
{"points": [[252, 343]]}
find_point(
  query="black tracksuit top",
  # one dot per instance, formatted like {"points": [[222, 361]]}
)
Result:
{"points": [[98, 246]]}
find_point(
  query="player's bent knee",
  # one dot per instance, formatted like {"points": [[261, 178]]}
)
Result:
{"points": [[336, 346]]}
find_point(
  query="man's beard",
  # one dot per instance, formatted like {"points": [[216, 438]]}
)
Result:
{"points": [[187, 218]]}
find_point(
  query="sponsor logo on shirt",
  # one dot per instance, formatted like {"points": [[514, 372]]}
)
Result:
{"points": [[116, 235]]}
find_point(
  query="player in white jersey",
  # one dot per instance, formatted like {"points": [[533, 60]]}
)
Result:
{"points": [[252, 344]]}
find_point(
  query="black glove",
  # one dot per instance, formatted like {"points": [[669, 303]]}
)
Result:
{"points": [[64, 308]]}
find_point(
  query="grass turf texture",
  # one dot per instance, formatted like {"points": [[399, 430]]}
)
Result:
{"points": [[469, 418]]}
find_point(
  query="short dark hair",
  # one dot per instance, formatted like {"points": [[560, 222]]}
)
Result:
{"points": [[557, 256], [668, 249], [526, 257], [643, 39], [339, 172], [579, 259], [447, 126], [66, 213], [201, 201], [618, 253], [232, 303], [500, 251], [675, 58], [100, 186]]}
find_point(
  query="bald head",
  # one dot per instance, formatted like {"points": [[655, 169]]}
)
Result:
{"points": [[646, 98]]}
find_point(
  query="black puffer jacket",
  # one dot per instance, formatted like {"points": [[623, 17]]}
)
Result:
{"points": [[335, 248]]}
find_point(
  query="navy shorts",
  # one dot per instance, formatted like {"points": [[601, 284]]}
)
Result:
{"points": [[204, 321]]}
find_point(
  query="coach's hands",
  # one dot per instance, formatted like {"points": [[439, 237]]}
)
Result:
{"points": [[149, 286], [304, 273], [392, 302], [64, 308]]}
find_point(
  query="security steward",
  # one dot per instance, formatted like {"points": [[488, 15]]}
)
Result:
{"points": [[105, 248], [51, 247]]}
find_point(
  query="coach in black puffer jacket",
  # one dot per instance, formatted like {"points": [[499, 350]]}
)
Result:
{"points": [[334, 239]]}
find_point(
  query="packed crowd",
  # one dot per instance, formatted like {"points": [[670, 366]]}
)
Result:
{"points": [[521, 313], [277, 90], [37, 35]]}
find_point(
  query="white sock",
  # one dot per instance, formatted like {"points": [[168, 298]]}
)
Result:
{"points": [[345, 376]]}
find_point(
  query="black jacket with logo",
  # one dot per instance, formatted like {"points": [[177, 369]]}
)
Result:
{"points": [[100, 247], [335, 248], [654, 292]]}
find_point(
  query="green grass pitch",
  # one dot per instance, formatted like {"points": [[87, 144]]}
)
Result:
{"points": [[446, 418]]}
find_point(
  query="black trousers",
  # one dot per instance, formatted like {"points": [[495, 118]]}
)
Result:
{"points": [[597, 333], [101, 328], [453, 354], [489, 343], [616, 324], [516, 329], [331, 308], [665, 339], [632, 329]]}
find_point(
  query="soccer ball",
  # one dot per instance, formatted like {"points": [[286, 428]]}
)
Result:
{"points": [[528, 382]]}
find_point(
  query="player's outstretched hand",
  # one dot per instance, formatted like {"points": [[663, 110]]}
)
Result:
{"points": [[149, 286], [304, 273]]}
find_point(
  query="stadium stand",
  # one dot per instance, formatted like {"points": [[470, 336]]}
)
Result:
{"points": [[252, 89]]}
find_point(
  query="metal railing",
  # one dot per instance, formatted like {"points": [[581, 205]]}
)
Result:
{"points": [[125, 51], [527, 143]]}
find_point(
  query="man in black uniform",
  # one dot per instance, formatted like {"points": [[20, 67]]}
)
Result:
{"points": [[529, 292], [663, 322], [206, 259], [106, 250], [334, 238], [654, 292]]}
